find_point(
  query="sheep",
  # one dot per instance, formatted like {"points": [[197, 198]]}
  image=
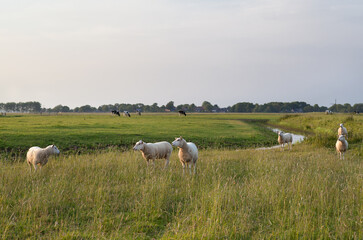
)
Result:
{"points": [[152, 151], [342, 131], [341, 146], [39, 156], [188, 153], [284, 138]]}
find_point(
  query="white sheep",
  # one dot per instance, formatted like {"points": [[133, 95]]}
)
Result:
{"points": [[341, 146], [342, 131], [188, 153], [152, 151], [284, 138], [39, 156]]}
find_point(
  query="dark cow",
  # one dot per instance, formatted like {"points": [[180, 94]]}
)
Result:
{"points": [[116, 112], [181, 112]]}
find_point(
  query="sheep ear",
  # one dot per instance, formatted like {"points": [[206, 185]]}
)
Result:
{"points": [[181, 137]]}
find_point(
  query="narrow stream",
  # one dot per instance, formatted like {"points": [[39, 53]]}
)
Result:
{"points": [[295, 139]]}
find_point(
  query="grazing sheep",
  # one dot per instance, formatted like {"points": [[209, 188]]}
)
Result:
{"points": [[341, 146], [39, 156], [188, 153], [342, 131], [126, 113], [152, 151], [181, 112], [285, 138], [328, 112]]}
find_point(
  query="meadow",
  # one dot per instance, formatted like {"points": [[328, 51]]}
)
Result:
{"points": [[84, 132], [237, 193]]}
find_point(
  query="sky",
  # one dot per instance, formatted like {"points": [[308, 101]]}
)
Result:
{"points": [[78, 52]]}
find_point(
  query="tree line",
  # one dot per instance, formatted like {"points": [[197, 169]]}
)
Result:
{"points": [[241, 107]]}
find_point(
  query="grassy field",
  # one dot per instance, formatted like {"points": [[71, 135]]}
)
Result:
{"points": [[245, 194], [77, 132], [237, 193], [323, 129]]}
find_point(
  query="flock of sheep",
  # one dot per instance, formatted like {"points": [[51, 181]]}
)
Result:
{"points": [[188, 151], [341, 144]]}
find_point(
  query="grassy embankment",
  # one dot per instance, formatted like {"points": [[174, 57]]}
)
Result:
{"points": [[304, 193], [322, 130]]}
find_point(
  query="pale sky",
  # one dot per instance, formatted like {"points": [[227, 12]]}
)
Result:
{"points": [[82, 52]]}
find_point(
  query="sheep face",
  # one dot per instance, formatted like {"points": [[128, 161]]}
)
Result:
{"points": [[179, 142], [55, 150], [139, 145]]}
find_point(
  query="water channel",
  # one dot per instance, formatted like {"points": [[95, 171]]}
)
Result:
{"points": [[295, 139]]}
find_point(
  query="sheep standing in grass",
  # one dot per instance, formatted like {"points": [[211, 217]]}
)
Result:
{"points": [[285, 138], [39, 156], [342, 131], [188, 153], [341, 146], [152, 151]]}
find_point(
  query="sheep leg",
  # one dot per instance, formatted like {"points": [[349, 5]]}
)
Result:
{"points": [[30, 166], [183, 168], [195, 166], [190, 168], [166, 163], [343, 155]]}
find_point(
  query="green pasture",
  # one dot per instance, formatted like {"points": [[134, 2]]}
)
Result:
{"points": [[98, 188], [323, 129], [97, 131], [306, 193]]}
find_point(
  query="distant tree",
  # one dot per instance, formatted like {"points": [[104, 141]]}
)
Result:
{"points": [[243, 107], [316, 108], [308, 108], [192, 107], [348, 107], [170, 106], [60, 108], [10, 107], [207, 106], [179, 107], [358, 107], [154, 107], [106, 108], [87, 108]]}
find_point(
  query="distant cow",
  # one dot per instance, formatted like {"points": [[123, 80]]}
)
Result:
{"points": [[116, 112], [138, 112], [356, 112], [127, 114], [181, 112]]}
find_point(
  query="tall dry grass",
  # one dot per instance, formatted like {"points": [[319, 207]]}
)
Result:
{"points": [[306, 193]]}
